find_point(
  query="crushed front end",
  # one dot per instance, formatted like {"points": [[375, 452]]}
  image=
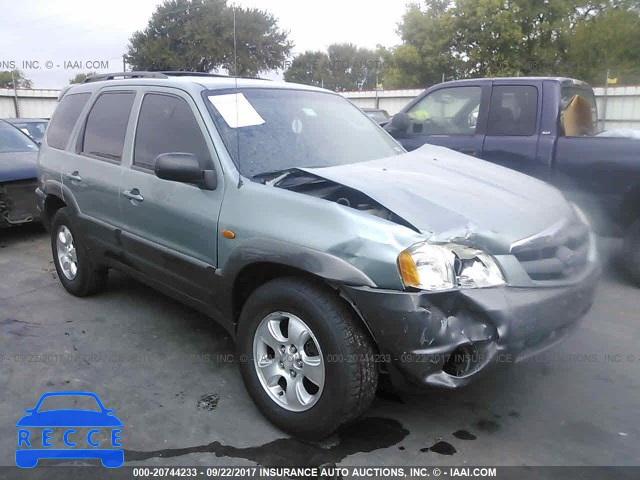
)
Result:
{"points": [[445, 338], [18, 203]]}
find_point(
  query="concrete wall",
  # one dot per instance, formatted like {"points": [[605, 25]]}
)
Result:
{"points": [[622, 104], [622, 107], [31, 103]]}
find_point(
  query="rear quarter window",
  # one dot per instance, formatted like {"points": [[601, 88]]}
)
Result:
{"points": [[106, 125], [65, 118]]}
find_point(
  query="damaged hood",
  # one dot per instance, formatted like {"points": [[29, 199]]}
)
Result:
{"points": [[18, 166], [450, 196]]}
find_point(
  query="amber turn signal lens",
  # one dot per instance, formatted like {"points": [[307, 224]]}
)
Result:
{"points": [[408, 270], [228, 234]]}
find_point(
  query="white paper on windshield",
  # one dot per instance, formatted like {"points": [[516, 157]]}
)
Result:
{"points": [[236, 110]]}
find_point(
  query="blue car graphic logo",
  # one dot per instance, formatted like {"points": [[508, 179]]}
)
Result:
{"points": [[30, 450]]}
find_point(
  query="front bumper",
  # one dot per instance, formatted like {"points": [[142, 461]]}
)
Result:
{"points": [[445, 339]]}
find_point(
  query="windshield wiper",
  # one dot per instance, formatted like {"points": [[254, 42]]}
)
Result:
{"points": [[272, 173]]}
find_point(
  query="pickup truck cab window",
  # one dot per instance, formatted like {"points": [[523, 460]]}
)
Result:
{"points": [[578, 112], [106, 126], [166, 124], [447, 111], [513, 110]]}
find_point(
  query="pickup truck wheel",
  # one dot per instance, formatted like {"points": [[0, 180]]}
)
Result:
{"points": [[631, 251], [305, 359], [75, 270]]}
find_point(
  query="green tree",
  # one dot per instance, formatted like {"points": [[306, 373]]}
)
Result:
{"points": [[81, 77], [609, 40], [343, 67], [310, 68], [427, 52], [470, 38], [198, 35], [7, 79]]}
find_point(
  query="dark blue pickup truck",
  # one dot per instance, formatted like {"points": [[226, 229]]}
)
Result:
{"points": [[544, 127]]}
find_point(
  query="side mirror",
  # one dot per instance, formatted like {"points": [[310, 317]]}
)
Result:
{"points": [[399, 122], [185, 168]]}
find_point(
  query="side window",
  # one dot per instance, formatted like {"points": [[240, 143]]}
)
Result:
{"points": [[513, 110], [107, 125], [448, 111], [578, 112], [65, 118], [167, 124]]}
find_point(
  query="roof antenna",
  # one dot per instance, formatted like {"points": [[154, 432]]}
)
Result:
{"points": [[235, 76]]}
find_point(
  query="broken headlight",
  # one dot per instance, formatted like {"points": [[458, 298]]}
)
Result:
{"points": [[443, 267]]}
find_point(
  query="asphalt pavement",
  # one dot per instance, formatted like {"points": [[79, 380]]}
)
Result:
{"points": [[170, 375]]}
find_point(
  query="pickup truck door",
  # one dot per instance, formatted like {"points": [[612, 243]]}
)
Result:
{"points": [[513, 127], [170, 228], [449, 116]]}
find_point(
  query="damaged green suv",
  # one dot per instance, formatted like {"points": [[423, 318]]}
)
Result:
{"points": [[330, 254]]}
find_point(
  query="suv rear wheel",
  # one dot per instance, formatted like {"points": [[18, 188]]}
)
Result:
{"points": [[75, 270], [631, 251], [305, 359]]}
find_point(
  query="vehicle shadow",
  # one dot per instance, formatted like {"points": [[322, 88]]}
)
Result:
{"points": [[25, 233]]}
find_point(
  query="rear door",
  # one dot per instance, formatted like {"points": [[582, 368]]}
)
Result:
{"points": [[513, 128], [170, 228], [448, 116], [92, 172]]}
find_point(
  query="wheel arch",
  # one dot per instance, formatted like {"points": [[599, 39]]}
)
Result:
{"points": [[56, 196], [248, 271]]}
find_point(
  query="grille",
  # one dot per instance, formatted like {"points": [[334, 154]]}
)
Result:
{"points": [[557, 253]]}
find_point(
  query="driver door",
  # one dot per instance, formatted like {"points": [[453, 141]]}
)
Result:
{"points": [[170, 228], [452, 117]]}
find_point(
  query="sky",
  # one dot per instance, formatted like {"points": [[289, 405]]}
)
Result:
{"points": [[53, 41]]}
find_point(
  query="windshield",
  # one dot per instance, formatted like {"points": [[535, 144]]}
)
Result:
{"points": [[66, 402], [13, 140], [268, 130], [34, 129]]}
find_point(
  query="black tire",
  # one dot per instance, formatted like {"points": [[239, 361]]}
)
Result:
{"points": [[351, 375], [631, 251], [89, 279]]}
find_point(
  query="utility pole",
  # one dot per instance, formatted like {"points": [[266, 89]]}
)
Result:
{"points": [[376, 89], [604, 106], [15, 95]]}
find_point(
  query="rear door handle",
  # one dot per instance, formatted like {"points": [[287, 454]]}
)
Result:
{"points": [[75, 176], [133, 194]]}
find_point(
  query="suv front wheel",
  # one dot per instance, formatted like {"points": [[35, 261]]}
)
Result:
{"points": [[305, 358], [75, 270]]}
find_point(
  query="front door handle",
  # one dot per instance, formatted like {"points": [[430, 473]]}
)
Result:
{"points": [[75, 176], [133, 194]]}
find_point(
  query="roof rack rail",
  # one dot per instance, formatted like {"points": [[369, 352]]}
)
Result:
{"points": [[183, 73], [134, 74], [161, 74]]}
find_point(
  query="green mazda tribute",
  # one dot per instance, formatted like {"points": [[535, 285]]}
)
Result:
{"points": [[331, 255]]}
